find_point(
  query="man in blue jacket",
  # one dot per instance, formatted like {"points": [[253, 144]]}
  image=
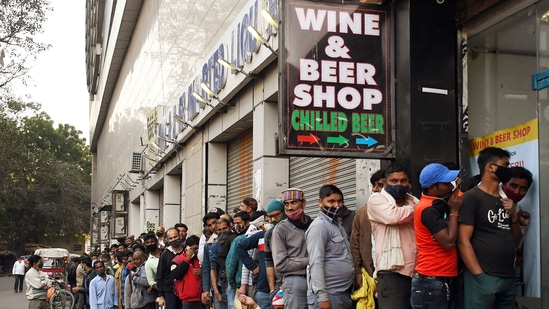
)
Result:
{"points": [[257, 267]]}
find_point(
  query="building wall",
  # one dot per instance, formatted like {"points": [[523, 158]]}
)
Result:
{"points": [[166, 52], [167, 47]]}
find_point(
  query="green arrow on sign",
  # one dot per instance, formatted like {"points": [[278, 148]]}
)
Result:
{"points": [[340, 140]]}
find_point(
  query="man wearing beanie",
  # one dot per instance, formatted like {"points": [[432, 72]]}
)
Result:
{"points": [[290, 251], [436, 228], [275, 213]]}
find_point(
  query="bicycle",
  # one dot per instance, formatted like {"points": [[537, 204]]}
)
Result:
{"points": [[61, 298]]}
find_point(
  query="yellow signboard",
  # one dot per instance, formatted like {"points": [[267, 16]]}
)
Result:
{"points": [[504, 138]]}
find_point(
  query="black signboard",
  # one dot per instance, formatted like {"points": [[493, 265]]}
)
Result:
{"points": [[335, 80]]}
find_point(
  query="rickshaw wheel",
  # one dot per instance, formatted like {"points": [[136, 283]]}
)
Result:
{"points": [[63, 299]]}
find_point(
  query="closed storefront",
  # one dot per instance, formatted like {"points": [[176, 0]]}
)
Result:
{"points": [[309, 174], [239, 169]]}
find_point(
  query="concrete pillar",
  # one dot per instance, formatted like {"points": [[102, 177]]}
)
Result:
{"points": [[150, 211], [172, 200], [270, 173]]}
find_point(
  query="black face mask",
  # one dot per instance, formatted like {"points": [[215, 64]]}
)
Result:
{"points": [[397, 191], [159, 234], [503, 173], [151, 248], [40, 265], [176, 243]]}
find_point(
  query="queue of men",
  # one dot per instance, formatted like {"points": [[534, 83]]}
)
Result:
{"points": [[282, 258], [418, 243]]}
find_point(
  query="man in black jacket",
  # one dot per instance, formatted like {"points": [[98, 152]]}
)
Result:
{"points": [[174, 246]]}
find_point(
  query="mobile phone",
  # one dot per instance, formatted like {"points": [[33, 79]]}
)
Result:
{"points": [[189, 248]]}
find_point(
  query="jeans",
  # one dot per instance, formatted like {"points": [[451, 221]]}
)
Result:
{"points": [[231, 293], [393, 290], [193, 305], [223, 290], [172, 301], [429, 293], [263, 300]]}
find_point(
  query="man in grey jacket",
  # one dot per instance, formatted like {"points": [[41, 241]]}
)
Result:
{"points": [[289, 249], [135, 290], [331, 269]]}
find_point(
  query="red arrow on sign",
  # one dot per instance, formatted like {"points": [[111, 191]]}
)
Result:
{"points": [[311, 139]]}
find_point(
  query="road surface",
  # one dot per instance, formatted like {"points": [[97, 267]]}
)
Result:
{"points": [[9, 299]]}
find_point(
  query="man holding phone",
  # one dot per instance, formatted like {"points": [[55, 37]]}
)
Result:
{"points": [[436, 230], [185, 272]]}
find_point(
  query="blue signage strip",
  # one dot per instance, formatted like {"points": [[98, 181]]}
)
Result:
{"points": [[540, 80]]}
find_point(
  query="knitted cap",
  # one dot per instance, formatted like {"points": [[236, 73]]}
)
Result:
{"points": [[274, 205], [292, 194]]}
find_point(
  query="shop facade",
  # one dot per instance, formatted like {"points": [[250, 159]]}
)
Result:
{"points": [[174, 132]]}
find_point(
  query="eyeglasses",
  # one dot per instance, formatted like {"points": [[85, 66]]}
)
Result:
{"points": [[275, 215], [292, 202]]}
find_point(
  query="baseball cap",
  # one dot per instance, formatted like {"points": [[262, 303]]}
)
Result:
{"points": [[436, 172], [217, 210]]}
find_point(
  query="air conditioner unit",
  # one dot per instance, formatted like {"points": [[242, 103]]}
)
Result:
{"points": [[136, 163]]}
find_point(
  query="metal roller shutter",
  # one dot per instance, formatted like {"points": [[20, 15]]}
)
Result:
{"points": [[239, 169], [309, 174]]}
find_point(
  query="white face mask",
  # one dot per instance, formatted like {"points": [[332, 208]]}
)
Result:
{"points": [[454, 185], [267, 226]]}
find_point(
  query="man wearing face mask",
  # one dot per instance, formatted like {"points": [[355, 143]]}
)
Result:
{"points": [[516, 188], [151, 265], [290, 251], [489, 233], [391, 214], [135, 289], [166, 297], [252, 254], [37, 284], [233, 264], [331, 269], [103, 294], [436, 229], [275, 213]]}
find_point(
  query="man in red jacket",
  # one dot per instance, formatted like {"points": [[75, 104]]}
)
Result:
{"points": [[186, 273]]}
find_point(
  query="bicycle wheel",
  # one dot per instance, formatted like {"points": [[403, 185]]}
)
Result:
{"points": [[62, 299]]}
